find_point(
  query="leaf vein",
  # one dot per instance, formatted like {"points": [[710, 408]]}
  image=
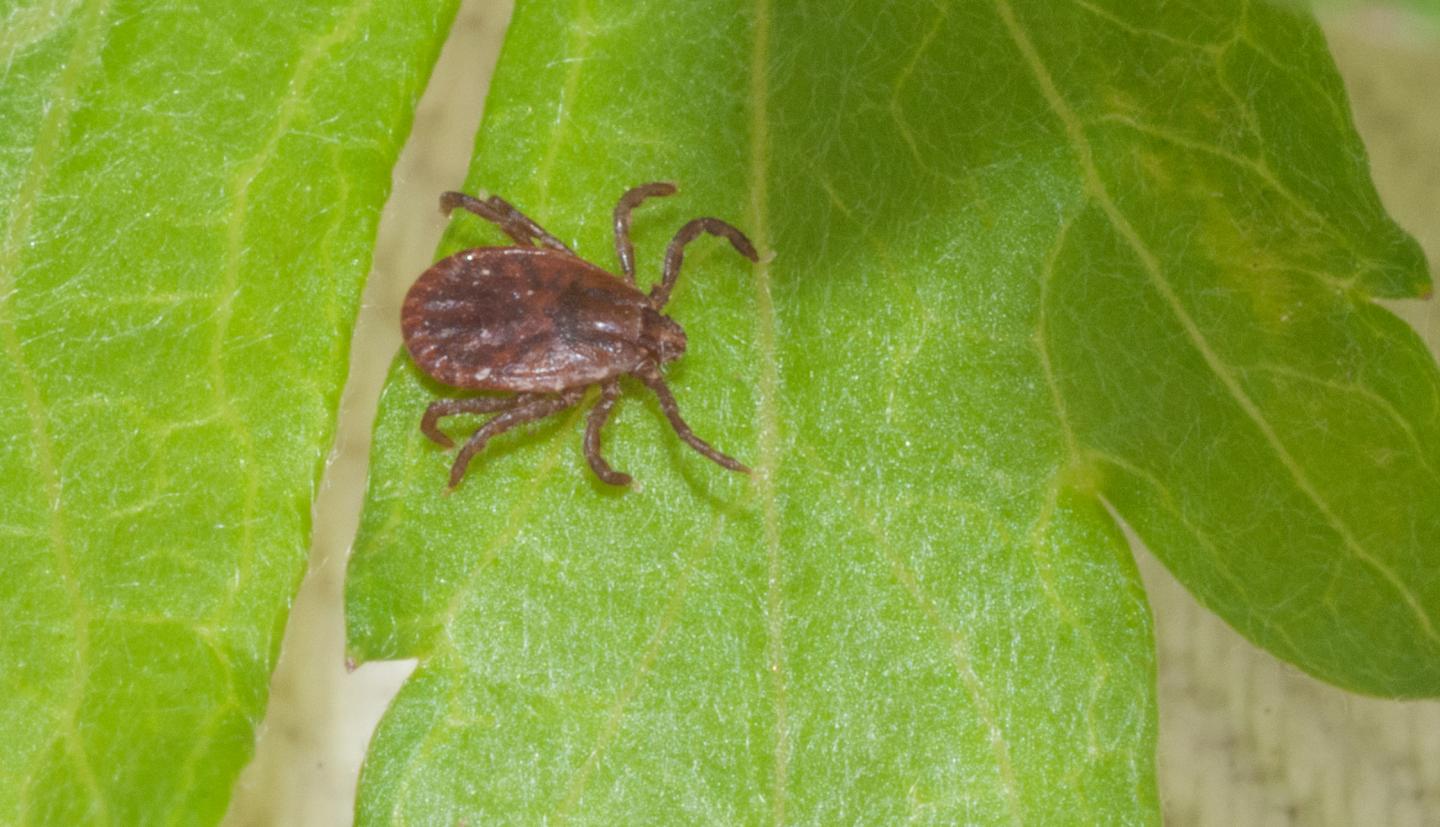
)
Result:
{"points": [[950, 638], [1261, 170], [514, 519], [63, 97], [1042, 340], [679, 589], [1126, 26], [581, 29], [1380, 403], [1155, 273], [942, 10], [290, 107], [768, 401]]}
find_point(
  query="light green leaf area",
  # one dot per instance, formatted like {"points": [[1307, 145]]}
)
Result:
{"points": [[188, 197], [1031, 261]]}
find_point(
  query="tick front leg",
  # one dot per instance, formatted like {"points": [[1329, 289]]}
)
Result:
{"points": [[535, 407], [675, 253], [498, 211], [624, 249], [609, 392], [430, 422], [672, 412]]}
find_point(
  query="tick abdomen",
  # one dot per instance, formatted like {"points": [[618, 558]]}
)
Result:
{"points": [[523, 319]]}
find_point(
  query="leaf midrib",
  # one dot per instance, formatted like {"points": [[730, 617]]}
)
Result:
{"points": [[768, 403]]}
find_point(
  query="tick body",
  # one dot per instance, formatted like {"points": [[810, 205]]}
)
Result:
{"points": [[542, 324]]}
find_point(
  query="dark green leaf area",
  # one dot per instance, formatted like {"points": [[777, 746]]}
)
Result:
{"points": [[1267, 429]]}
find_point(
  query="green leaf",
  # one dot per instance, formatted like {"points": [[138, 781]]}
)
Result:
{"points": [[1031, 261], [188, 197]]}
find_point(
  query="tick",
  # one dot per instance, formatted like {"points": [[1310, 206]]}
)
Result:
{"points": [[543, 324]]}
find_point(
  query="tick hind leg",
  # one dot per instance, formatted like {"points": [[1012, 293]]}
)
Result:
{"points": [[609, 392], [624, 248], [498, 211], [675, 253], [430, 422], [532, 408], [672, 412]]}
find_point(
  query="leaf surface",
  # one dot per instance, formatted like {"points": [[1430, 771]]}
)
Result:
{"points": [[188, 197], [1031, 261]]}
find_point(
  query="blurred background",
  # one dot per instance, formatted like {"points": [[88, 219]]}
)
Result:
{"points": [[1244, 739]]}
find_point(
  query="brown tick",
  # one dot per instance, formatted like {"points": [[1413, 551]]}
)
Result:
{"points": [[539, 321]]}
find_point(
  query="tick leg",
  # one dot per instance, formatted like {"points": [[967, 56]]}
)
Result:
{"points": [[609, 392], [672, 412], [529, 411], [675, 253], [498, 211], [624, 249], [430, 422]]}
